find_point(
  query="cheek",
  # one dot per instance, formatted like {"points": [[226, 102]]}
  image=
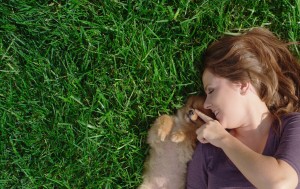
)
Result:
{"points": [[216, 99], [232, 113]]}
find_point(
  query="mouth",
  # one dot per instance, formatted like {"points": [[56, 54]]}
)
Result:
{"points": [[216, 113]]}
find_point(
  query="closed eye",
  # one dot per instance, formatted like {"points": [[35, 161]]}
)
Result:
{"points": [[210, 91]]}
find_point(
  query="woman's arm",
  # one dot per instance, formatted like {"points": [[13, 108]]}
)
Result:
{"points": [[262, 171]]}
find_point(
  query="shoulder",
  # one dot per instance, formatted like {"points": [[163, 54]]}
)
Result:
{"points": [[289, 140], [292, 115], [206, 157], [208, 149], [291, 120], [206, 152], [290, 129], [290, 125]]}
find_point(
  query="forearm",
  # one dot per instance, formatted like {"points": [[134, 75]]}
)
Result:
{"points": [[262, 171]]}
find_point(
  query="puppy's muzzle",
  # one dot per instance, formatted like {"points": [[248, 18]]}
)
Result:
{"points": [[192, 115]]}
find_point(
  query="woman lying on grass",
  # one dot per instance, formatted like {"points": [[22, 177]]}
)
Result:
{"points": [[252, 82]]}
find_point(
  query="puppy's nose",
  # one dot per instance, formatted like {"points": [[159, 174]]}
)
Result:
{"points": [[192, 115]]}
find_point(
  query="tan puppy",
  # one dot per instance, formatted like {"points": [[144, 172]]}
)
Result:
{"points": [[172, 140]]}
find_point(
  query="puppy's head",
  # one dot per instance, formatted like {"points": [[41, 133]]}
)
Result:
{"points": [[187, 111]]}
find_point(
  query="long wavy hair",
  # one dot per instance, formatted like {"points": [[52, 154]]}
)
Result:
{"points": [[263, 59]]}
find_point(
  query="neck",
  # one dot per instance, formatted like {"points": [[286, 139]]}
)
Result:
{"points": [[255, 134], [257, 123]]}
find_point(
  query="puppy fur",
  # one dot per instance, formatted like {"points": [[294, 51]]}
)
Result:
{"points": [[172, 139]]}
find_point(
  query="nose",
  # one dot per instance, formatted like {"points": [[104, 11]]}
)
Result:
{"points": [[207, 104], [192, 115]]}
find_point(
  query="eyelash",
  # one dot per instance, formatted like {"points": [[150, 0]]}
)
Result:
{"points": [[210, 91]]}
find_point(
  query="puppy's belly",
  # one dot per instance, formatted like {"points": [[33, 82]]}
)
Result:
{"points": [[166, 168]]}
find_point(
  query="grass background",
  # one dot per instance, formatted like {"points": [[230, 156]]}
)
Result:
{"points": [[81, 81]]}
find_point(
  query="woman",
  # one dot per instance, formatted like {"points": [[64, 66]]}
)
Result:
{"points": [[252, 84]]}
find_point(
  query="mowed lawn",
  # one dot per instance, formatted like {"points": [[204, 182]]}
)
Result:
{"points": [[81, 81]]}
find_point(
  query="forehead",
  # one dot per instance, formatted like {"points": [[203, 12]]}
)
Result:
{"points": [[210, 79]]}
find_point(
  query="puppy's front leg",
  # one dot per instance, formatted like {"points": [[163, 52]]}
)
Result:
{"points": [[165, 125], [178, 136], [161, 128]]}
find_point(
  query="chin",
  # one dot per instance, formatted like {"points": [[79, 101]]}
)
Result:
{"points": [[223, 123]]}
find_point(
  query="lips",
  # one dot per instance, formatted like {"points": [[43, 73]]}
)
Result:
{"points": [[216, 112]]}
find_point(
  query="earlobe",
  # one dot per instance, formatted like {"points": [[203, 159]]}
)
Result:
{"points": [[243, 92]]}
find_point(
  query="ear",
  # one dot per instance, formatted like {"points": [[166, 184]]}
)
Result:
{"points": [[244, 87]]}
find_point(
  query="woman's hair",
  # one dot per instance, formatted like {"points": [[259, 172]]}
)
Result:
{"points": [[260, 57]]}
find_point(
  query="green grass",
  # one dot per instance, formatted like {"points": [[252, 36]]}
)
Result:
{"points": [[81, 81]]}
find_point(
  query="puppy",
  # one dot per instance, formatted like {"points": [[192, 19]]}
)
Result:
{"points": [[172, 139]]}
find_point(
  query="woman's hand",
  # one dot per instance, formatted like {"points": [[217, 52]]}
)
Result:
{"points": [[212, 131]]}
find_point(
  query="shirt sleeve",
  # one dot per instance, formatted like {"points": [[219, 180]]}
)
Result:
{"points": [[289, 145], [197, 170]]}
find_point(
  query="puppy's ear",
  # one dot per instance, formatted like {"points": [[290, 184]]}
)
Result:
{"points": [[195, 101]]}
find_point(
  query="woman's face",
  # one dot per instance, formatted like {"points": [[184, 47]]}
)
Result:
{"points": [[224, 99]]}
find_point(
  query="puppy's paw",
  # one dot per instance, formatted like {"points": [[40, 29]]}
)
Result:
{"points": [[178, 137], [165, 124]]}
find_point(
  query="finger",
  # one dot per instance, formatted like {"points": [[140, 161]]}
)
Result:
{"points": [[199, 130], [204, 117], [200, 137], [202, 140]]}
